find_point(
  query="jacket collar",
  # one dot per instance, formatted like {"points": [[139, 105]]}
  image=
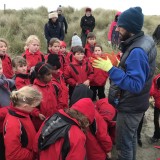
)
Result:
{"points": [[124, 45]]}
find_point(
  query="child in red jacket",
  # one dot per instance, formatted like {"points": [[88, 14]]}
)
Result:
{"points": [[100, 77], [19, 132], [98, 140], [155, 92], [91, 42], [6, 60], [43, 82], [63, 50], [71, 145], [75, 41], [20, 68], [32, 53], [58, 81], [79, 71], [54, 48]]}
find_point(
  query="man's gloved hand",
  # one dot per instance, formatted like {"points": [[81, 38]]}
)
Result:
{"points": [[104, 64], [87, 31]]}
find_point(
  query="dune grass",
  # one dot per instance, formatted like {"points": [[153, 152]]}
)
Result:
{"points": [[17, 25]]}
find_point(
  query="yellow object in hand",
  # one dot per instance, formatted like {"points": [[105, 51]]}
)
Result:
{"points": [[104, 64]]}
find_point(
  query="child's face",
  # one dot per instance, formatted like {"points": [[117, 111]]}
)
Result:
{"points": [[97, 51], [33, 46], [79, 56], [3, 48], [55, 47], [21, 69], [47, 77], [55, 71], [1, 69], [62, 49], [91, 41]]}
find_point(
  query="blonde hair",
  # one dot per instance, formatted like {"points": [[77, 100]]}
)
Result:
{"points": [[4, 41], [30, 39], [18, 61], [26, 95], [0, 61]]}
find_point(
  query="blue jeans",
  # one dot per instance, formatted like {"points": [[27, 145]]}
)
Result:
{"points": [[126, 135]]}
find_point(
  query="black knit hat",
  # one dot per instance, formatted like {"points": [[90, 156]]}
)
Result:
{"points": [[132, 20], [53, 60]]}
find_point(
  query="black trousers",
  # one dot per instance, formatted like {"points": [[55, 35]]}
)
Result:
{"points": [[156, 123], [2, 149], [100, 90]]}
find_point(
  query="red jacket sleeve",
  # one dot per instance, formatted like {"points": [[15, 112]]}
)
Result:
{"points": [[19, 83], [110, 30], [12, 142], [69, 79], [102, 133], [77, 144]]}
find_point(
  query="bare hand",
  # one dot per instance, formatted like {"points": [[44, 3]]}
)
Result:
{"points": [[109, 156], [86, 82], [42, 117]]}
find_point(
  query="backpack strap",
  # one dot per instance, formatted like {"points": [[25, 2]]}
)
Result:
{"points": [[74, 69]]}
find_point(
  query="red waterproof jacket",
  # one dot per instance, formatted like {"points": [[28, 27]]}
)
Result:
{"points": [[77, 141], [108, 112], [89, 50], [21, 80], [12, 135], [48, 105], [7, 66], [113, 24], [98, 145], [100, 77], [63, 95], [155, 92], [69, 58], [78, 72], [33, 59]]}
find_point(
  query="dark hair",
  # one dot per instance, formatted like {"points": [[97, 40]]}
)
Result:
{"points": [[158, 83], [42, 69], [98, 45], [78, 49]]}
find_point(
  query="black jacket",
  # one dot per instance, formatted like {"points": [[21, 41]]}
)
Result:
{"points": [[87, 23], [53, 30], [63, 21]]}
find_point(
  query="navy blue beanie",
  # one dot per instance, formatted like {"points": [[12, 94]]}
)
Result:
{"points": [[132, 20]]}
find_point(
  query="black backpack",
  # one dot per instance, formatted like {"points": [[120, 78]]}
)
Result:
{"points": [[56, 127]]}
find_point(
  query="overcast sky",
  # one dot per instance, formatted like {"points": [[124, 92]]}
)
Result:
{"points": [[149, 7]]}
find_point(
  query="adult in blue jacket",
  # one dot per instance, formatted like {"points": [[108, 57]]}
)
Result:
{"points": [[53, 28], [131, 80]]}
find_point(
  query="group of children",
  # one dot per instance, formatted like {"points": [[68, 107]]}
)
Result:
{"points": [[34, 87], [57, 91]]}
